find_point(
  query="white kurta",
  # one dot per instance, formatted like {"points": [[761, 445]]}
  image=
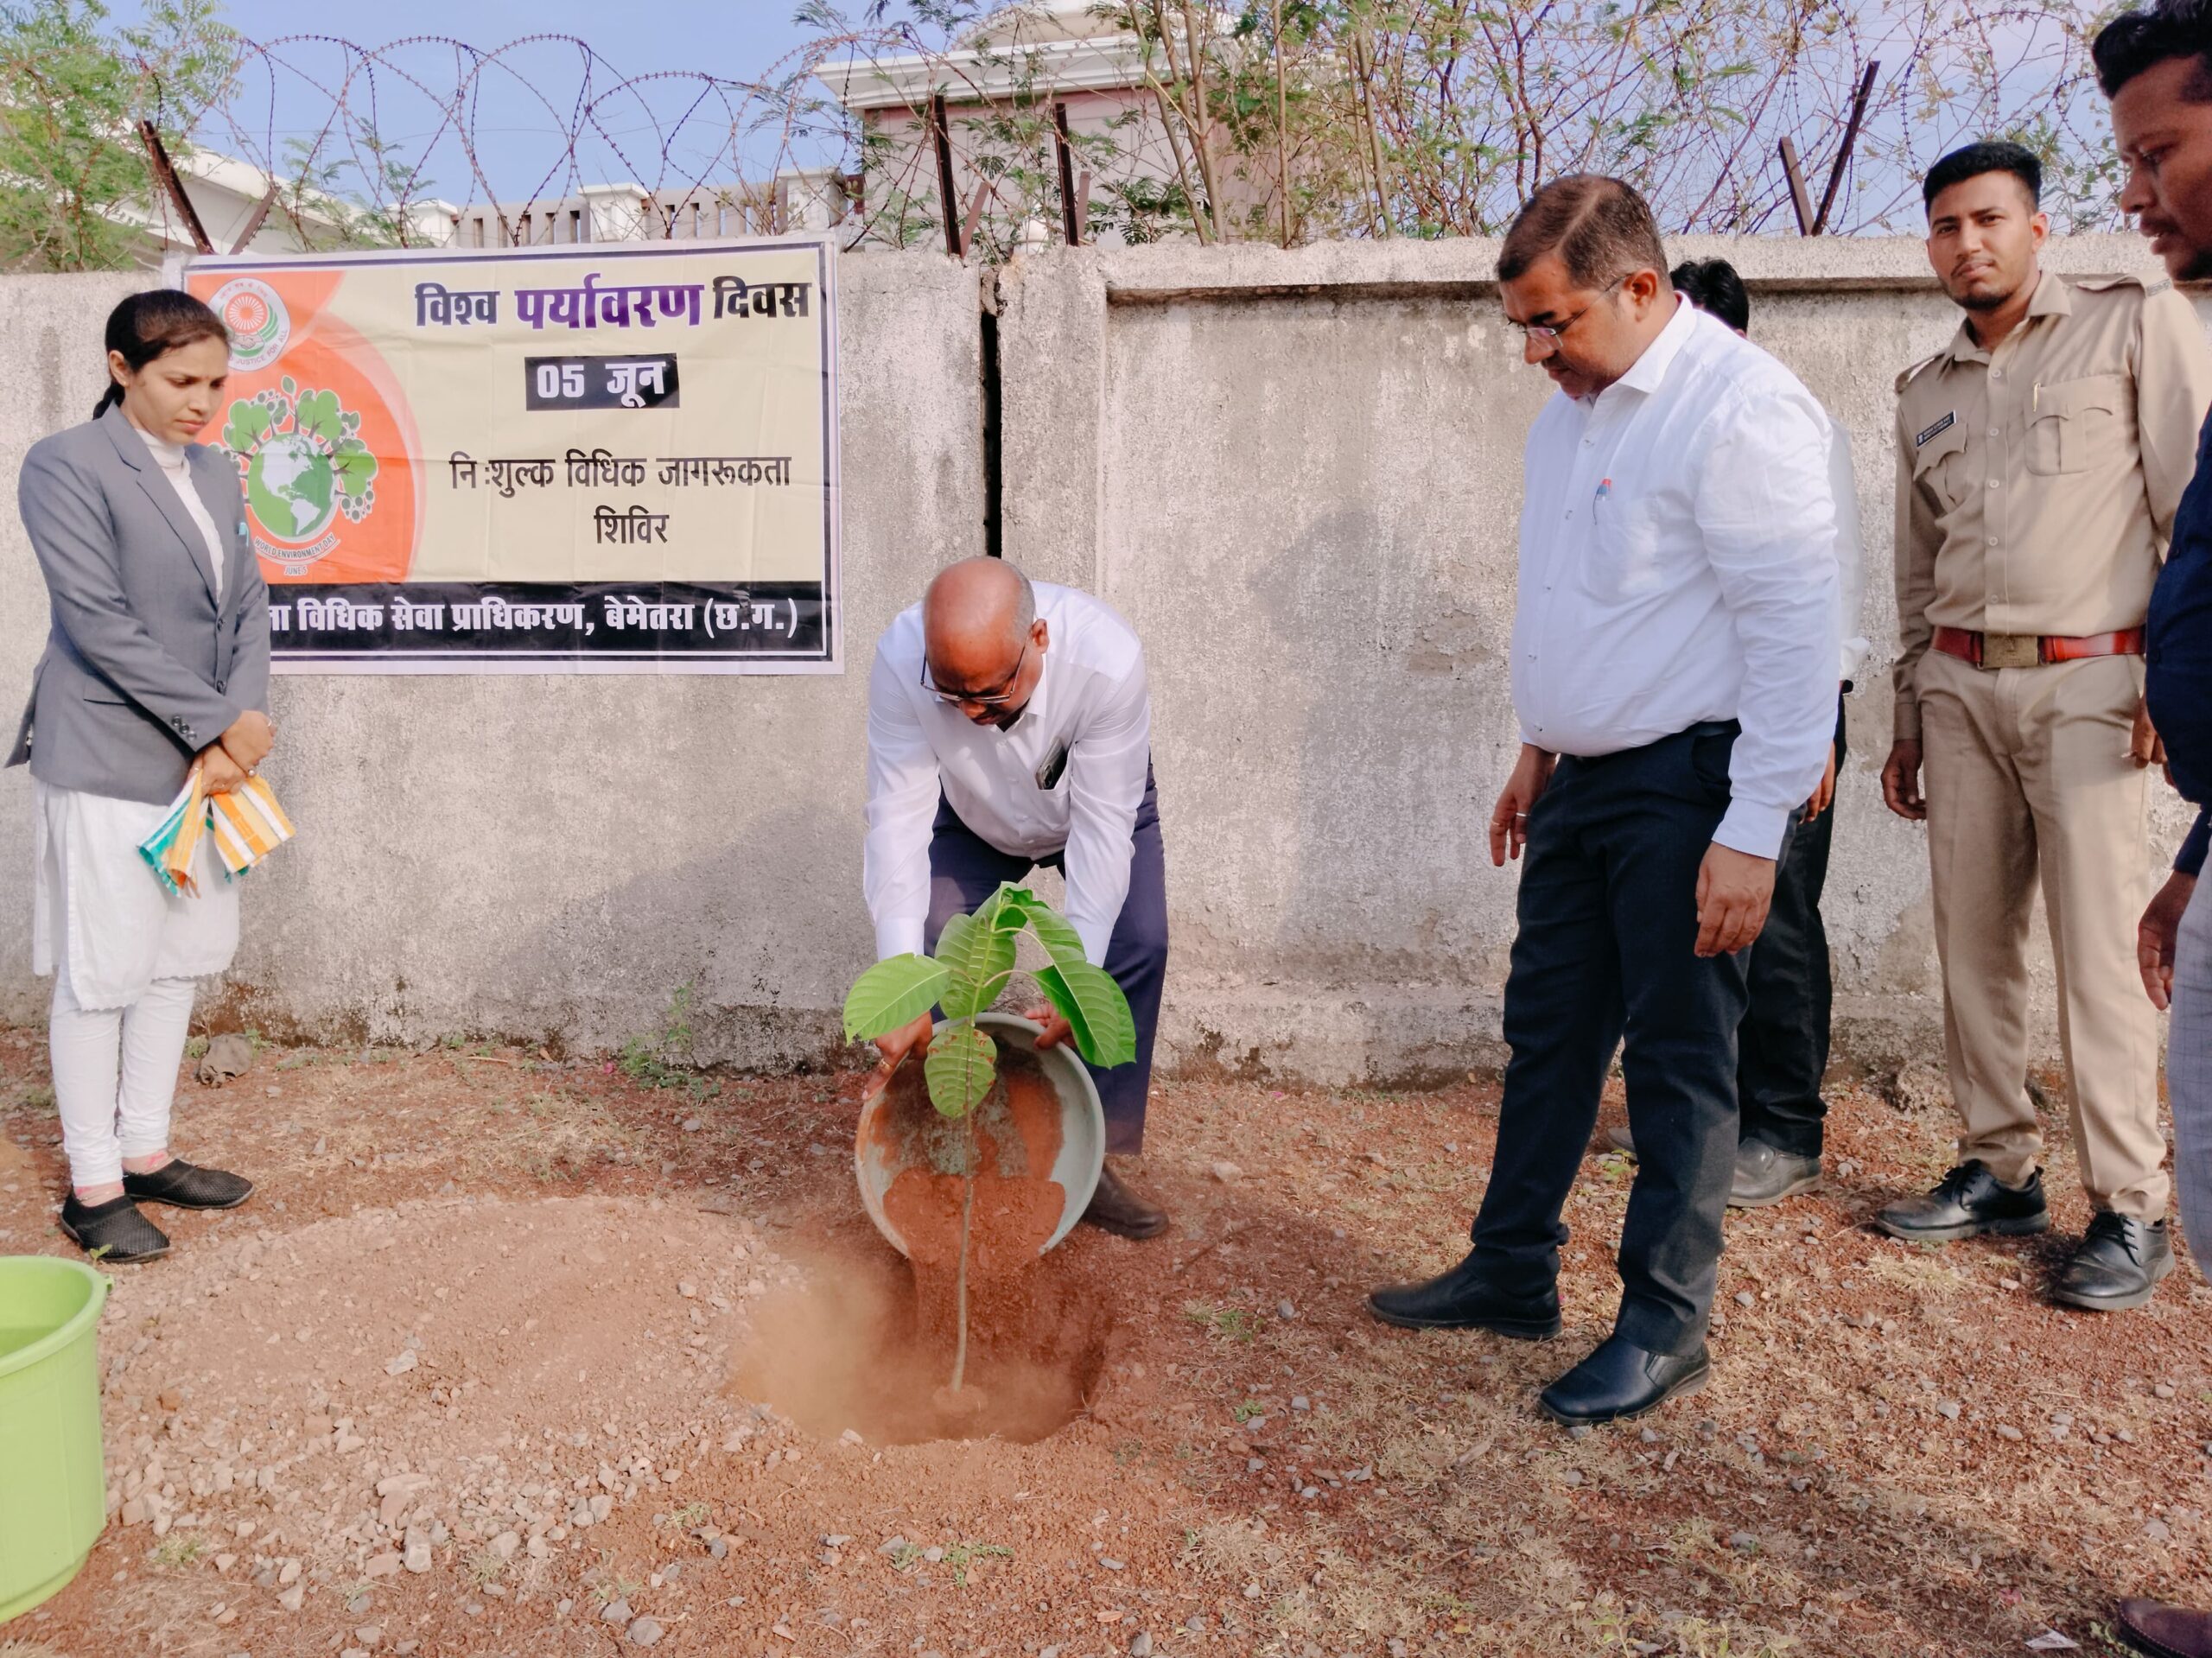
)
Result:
{"points": [[98, 906]]}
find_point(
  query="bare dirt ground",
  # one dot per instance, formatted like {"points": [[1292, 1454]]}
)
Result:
{"points": [[513, 1355]]}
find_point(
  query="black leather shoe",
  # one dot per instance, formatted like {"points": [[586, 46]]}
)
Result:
{"points": [[1967, 1203], [1764, 1175], [1460, 1299], [1115, 1209], [2118, 1266], [113, 1232], [1620, 1380], [2166, 1631], [186, 1185]]}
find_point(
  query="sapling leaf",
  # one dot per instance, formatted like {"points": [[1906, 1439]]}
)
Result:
{"points": [[1096, 1011], [894, 992], [979, 959], [1011, 908], [962, 1066], [982, 914], [1058, 935]]}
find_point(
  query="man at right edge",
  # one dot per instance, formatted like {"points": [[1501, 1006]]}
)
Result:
{"points": [[2041, 456], [2157, 69]]}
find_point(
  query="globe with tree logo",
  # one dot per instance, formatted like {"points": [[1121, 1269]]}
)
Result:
{"points": [[302, 460]]}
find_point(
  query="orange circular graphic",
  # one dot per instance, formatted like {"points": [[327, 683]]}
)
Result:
{"points": [[323, 455], [246, 314]]}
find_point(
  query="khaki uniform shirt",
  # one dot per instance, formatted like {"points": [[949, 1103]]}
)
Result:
{"points": [[2037, 484]]}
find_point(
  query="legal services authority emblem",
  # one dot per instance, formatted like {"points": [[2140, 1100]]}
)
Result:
{"points": [[260, 325], [303, 463]]}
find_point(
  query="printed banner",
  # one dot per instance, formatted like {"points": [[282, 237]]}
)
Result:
{"points": [[598, 458]]}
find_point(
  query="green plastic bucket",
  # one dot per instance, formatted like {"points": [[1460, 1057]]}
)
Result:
{"points": [[52, 1486]]}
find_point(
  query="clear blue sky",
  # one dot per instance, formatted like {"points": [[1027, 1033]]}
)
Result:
{"points": [[518, 139]]}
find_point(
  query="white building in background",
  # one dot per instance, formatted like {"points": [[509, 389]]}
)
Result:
{"points": [[226, 192], [1037, 52], [797, 200]]}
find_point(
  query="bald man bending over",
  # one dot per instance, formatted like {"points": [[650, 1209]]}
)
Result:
{"points": [[1009, 726]]}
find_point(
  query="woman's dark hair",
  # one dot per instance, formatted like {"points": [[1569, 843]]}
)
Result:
{"points": [[1712, 285], [152, 324]]}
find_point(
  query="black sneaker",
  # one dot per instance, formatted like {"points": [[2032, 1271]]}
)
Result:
{"points": [[1967, 1203], [113, 1232], [186, 1185], [2118, 1264]]}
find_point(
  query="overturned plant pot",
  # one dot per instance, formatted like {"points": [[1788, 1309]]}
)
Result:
{"points": [[1040, 1137]]}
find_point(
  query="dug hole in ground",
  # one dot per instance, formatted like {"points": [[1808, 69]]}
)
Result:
{"points": [[513, 1354]]}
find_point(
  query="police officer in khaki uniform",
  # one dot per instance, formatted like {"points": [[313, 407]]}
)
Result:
{"points": [[2041, 456]]}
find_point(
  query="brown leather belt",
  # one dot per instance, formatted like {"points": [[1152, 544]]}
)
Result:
{"points": [[2030, 649]]}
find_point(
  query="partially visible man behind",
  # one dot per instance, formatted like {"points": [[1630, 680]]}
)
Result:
{"points": [[1674, 671], [1782, 1049], [2041, 456], [1009, 726], [2157, 69]]}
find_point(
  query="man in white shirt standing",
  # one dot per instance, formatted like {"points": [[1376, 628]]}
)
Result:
{"points": [[1674, 647], [1782, 1049], [1009, 727]]}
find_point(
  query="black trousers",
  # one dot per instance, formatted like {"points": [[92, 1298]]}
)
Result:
{"points": [[1607, 925], [965, 869], [1782, 1047]]}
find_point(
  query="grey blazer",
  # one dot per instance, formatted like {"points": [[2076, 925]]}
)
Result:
{"points": [[142, 668]]}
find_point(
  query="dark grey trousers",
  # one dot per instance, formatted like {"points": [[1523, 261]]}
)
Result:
{"points": [[1607, 919], [1783, 1045], [965, 869]]}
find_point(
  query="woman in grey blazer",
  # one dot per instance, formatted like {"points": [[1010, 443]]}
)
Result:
{"points": [[157, 659]]}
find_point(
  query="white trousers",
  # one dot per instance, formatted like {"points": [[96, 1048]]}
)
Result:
{"points": [[115, 1075]]}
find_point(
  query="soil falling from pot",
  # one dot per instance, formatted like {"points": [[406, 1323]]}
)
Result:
{"points": [[870, 1347]]}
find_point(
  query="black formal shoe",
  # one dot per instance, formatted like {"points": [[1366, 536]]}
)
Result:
{"points": [[1459, 1299], [1967, 1203], [186, 1185], [112, 1232], [1620, 1380], [2166, 1631], [1115, 1209], [2117, 1266], [1764, 1175]]}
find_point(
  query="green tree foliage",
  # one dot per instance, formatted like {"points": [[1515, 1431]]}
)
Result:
{"points": [[73, 175]]}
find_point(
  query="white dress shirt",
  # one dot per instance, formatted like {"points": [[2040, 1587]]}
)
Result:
{"points": [[1678, 565], [1850, 553], [169, 457], [1091, 706]]}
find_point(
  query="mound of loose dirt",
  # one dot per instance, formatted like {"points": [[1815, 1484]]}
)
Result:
{"points": [[362, 1396]]}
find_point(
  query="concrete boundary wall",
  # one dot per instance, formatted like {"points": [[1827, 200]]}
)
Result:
{"points": [[612, 838], [1299, 474]]}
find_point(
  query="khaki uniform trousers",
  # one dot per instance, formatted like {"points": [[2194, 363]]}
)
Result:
{"points": [[2026, 777]]}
